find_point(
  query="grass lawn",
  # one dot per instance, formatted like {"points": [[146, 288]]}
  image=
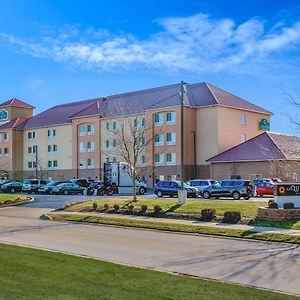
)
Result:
{"points": [[5, 197], [281, 224], [35, 274], [129, 222], [247, 209]]}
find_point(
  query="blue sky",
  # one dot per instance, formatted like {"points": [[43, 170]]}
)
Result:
{"points": [[59, 51]]}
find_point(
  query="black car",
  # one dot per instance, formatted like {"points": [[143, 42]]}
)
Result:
{"points": [[100, 188], [47, 189], [68, 188], [12, 187], [230, 188], [82, 182], [170, 188]]}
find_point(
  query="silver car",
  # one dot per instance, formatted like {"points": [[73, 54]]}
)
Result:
{"points": [[200, 184]]}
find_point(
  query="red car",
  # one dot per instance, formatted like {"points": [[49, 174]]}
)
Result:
{"points": [[264, 188]]}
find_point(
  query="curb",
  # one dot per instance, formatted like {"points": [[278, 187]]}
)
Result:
{"points": [[30, 199]]}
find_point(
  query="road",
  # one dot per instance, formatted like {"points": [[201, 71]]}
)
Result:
{"points": [[268, 265]]}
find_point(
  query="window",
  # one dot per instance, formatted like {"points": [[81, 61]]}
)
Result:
{"points": [[159, 119], [243, 120], [91, 129], [82, 164], [107, 144], [6, 137], [114, 159], [171, 118], [51, 132], [159, 139], [49, 163], [143, 122], [171, 138], [114, 143], [143, 159], [171, 158], [82, 147], [6, 151], [90, 146], [243, 137], [49, 148], [82, 130], [31, 135], [90, 163], [107, 125], [29, 150], [29, 165], [54, 147], [135, 122], [143, 141], [158, 159], [114, 125], [55, 164]]}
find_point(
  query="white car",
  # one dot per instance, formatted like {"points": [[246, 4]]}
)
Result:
{"points": [[200, 184]]}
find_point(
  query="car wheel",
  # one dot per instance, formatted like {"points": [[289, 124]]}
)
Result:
{"points": [[142, 190], [100, 192], [66, 192], [236, 195], [12, 190], [90, 192], [247, 197], [110, 192], [217, 198], [159, 194], [261, 195], [205, 195]]}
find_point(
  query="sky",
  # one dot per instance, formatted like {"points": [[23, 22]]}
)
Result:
{"points": [[53, 52]]}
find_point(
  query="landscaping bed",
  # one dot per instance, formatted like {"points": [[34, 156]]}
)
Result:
{"points": [[36, 274], [11, 199]]}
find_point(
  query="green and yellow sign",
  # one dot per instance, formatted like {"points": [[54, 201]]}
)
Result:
{"points": [[3, 115], [264, 124]]}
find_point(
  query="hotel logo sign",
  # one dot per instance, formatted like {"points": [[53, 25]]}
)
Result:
{"points": [[3, 115], [264, 124]]}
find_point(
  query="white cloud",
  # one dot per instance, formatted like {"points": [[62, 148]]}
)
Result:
{"points": [[195, 43]]}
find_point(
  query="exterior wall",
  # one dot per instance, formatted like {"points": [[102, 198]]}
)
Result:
{"points": [[63, 140], [85, 172], [285, 170], [15, 112], [6, 162]]}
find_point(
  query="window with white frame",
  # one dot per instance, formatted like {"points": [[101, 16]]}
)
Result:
{"points": [[6, 152], [82, 130], [31, 150], [107, 144], [82, 147], [51, 133], [49, 163], [114, 143], [159, 119], [243, 137], [107, 126], [135, 122], [143, 122], [91, 129], [171, 138], [171, 118], [31, 165], [91, 163], [90, 146], [52, 164], [54, 148], [171, 158], [159, 159], [115, 125], [6, 137], [243, 120], [31, 135], [82, 164], [159, 139]]}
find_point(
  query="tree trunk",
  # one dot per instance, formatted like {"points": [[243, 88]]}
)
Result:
{"points": [[134, 197]]}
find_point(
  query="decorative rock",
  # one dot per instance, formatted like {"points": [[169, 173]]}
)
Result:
{"points": [[45, 217]]}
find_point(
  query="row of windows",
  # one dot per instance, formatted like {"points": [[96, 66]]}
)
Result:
{"points": [[4, 137], [159, 158], [4, 151], [89, 163], [33, 149], [159, 118], [86, 129], [89, 146], [159, 139], [51, 164]]}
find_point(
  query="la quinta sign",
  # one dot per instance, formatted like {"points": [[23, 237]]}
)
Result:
{"points": [[3, 115], [264, 124]]}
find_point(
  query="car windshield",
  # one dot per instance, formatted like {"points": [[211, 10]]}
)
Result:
{"points": [[53, 183], [184, 184]]}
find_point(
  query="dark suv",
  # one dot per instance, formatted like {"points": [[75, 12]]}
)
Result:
{"points": [[230, 188], [170, 188]]}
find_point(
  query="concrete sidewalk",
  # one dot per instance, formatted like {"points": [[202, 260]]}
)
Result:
{"points": [[188, 222]]}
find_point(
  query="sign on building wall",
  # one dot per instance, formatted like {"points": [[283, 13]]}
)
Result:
{"points": [[3, 115], [264, 124]]}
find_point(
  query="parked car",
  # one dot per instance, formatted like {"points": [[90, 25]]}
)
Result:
{"points": [[101, 189], [12, 187], [82, 182], [170, 188], [68, 188], [4, 181], [31, 186], [264, 188], [47, 189], [200, 184], [230, 188], [260, 180]]}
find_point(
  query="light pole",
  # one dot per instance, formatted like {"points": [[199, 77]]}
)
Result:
{"points": [[36, 162]]}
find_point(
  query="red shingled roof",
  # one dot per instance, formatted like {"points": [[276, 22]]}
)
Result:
{"points": [[13, 123], [266, 146], [16, 102]]}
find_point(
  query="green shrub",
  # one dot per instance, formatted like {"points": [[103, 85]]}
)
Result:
{"points": [[116, 207], [144, 208], [208, 214], [95, 205], [272, 204], [232, 217], [157, 209], [106, 206], [131, 207], [288, 205]]}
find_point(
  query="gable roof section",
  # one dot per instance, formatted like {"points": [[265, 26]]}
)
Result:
{"points": [[13, 123], [198, 95], [17, 103], [266, 146]]}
